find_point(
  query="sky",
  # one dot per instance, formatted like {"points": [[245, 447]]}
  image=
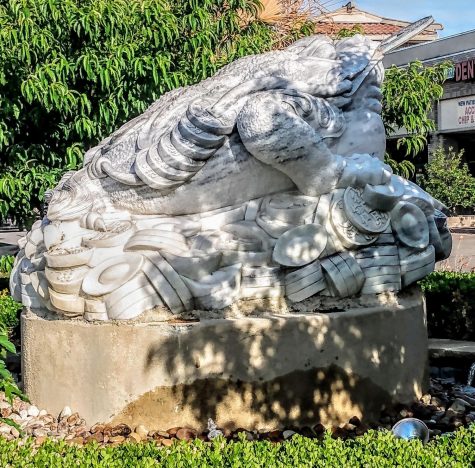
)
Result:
{"points": [[455, 15]]}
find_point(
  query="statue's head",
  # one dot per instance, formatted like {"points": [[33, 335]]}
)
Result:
{"points": [[346, 75]]}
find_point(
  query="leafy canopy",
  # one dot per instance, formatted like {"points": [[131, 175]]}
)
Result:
{"points": [[408, 97]]}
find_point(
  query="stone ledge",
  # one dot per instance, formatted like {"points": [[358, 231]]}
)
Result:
{"points": [[445, 348]]}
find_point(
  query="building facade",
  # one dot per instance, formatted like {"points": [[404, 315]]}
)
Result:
{"points": [[372, 25], [454, 114]]}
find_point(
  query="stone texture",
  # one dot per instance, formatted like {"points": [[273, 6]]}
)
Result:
{"points": [[247, 372]]}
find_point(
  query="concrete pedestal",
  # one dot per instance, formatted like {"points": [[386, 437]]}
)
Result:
{"points": [[257, 373]]}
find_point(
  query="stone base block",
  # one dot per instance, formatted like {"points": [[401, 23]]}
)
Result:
{"points": [[256, 373]]}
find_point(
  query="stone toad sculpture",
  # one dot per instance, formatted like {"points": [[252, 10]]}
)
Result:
{"points": [[266, 180]]}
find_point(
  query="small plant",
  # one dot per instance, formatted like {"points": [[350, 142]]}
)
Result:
{"points": [[9, 310], [6, 264], [449, 180], [450, 299]]}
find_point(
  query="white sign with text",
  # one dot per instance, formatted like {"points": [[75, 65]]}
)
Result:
{"points": [[458, 113]]}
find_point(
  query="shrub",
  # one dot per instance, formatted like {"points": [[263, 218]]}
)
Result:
{"points": [[374, 449], [449, 180], [72, 71], [450, 299], [6, 264], [9, 310]]}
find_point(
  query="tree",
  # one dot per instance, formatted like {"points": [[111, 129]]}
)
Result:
{"points": [[72, 71], [409, 94], [449, 180]]}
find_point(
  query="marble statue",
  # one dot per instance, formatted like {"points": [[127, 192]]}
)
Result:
{"points": [[264, 181]]}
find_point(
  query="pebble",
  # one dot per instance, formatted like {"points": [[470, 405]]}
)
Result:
{"points": [[5, 429], [65, 413], [185, 433], [288, 434], [459, 405], [33, 411], [23, 414], [116, 439], [142, 431], [167, 442], [135, 437]]}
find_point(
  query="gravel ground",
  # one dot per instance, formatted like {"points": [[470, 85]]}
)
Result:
{"points": [[444, 408]]}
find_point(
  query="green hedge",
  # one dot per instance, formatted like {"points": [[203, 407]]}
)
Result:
{"points": [[450, 298], [375, 449]]}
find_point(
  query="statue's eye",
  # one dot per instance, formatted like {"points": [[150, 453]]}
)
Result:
{"points": [[324, 115]]}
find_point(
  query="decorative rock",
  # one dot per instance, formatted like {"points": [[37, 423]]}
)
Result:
{"points": [[141, 431], [65, 413], [135, 437], [288, 434], [185, 434], [23, 414], [459, 406], [33, 411]]}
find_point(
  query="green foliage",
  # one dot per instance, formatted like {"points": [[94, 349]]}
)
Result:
{"points": [[9, 311], [349, 32], [72, 71], [375, 449], [450, 298], [449, 180], [6, 264], [408, 97]]}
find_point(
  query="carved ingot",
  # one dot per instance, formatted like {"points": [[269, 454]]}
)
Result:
{"points": [[117, 234], [40, 285], [383, 197], [195, 264], [343, 275], [261, 281], [417, 265], [68, 304], [156, 239], [305, 282], [410, 225], [67, 258], [273, 227], [111, 274], [365, 218], [291, 208], [157, 270], [131, 299], [67, 280], [218, 290], [439, 235], [52, 235], [300, 245], [347, 232]]}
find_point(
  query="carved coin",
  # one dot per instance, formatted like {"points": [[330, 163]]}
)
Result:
{"points": [[365, 218], [349, 234]]}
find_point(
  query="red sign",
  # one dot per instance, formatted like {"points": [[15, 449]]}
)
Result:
{"points": [[465, 70]]}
